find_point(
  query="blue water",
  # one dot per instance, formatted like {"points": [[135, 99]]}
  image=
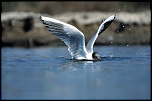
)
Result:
{"points": [[48, 73]]}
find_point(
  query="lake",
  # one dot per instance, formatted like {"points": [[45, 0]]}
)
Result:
{"points": [[48, 73]]}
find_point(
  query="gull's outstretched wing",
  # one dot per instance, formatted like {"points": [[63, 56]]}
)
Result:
{"points": [[102, 28], [71, 36]]}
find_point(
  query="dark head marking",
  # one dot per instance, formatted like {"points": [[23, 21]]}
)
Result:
{"points": [[96, 56]]}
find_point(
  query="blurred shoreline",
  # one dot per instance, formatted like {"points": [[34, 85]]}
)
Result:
{"points": [[24, 29]]}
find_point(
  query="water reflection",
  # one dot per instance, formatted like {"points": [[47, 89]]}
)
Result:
{"points": [[103, 65], [76, 80], [125, 75]]}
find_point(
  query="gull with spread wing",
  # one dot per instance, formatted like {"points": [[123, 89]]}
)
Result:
{"points": [[74, 38]]}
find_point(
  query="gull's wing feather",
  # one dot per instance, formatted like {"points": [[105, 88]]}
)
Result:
{"points": [[71, 36], [102, 28]]}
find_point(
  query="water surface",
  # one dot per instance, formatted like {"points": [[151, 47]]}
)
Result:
{"points": [[48, 73]]}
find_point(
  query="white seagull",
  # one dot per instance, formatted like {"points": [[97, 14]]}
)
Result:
{"points": [[74, 38]]}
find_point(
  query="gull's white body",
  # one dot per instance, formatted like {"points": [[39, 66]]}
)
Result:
{"points": [[74, 38]]}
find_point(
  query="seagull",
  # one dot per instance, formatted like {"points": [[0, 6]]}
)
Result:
{"points": [[74, 38]]}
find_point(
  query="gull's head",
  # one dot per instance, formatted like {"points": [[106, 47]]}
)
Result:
{"points": [[96, 56], [106, 23]]}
